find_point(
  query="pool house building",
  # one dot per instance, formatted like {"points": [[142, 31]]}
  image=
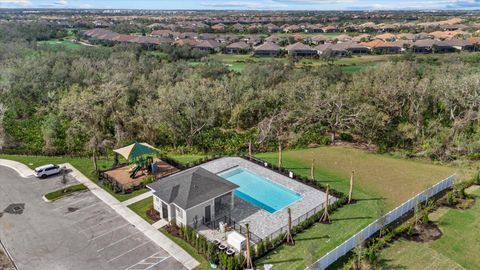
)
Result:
{"points": [[220, 197], [192, 197]]}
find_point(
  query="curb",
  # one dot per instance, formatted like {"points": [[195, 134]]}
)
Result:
{"points": [[45, 199]]}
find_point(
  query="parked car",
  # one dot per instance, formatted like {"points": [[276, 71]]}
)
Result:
{"points": [[47, 170]]}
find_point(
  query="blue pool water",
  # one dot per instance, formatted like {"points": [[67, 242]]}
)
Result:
{"points": [[260, 191]]}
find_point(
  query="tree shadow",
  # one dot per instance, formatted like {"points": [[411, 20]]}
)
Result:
{"points": [[387, 264], [281, 261], [312, 238], [350, 218], [371, 199]]}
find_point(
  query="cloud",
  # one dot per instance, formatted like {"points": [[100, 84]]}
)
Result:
{"points": [[16, 2], [61, 3]]}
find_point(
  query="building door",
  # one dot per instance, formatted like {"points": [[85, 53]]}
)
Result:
{"points": [[164, 211], [208, 214]]}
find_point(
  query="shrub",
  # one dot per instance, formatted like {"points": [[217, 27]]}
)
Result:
{"points": [[346, 137]]}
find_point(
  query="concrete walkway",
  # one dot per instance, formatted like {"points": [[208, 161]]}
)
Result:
{"points": [[21, 168], [138, 198], [148, 230]]}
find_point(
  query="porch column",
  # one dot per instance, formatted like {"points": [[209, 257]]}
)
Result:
{"points": [[232, 200]]}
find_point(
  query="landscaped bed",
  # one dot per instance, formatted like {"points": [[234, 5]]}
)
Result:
{"points": [[142, 207], [58, 194]]}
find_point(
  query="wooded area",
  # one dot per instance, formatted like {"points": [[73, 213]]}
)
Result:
{"points": [[63, 101]]}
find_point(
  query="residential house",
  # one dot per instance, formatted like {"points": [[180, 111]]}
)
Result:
{"points": [[301, 50], [319, 39], [192, 197], [361, 38], [237, 48], [267, 49], [238, 27], [461, 44], [219, 27], [382, 47], [386, 37], [207, 45], [272, 28], [343, 38]]}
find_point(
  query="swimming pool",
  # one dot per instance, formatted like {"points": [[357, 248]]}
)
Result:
{"points": [[260, 191]]}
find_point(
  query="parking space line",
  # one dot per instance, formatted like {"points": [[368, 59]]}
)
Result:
{"points": [[82, 209], [119, 227], [83, 199], [129, 251], [144, 262], [157, 263], [102, 223], [111, 244]]}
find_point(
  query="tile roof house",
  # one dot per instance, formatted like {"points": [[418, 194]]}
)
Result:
{"points": [[361, 38], [320, 39], [237, 48], [192, 197], [218, 27], [301, 50], [208, 45], [341, 49], [267, 49], [379, 46], [430, 45], [386, 37]]}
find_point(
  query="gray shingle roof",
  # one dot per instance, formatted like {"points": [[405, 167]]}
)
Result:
{"points": [[191, 187]]}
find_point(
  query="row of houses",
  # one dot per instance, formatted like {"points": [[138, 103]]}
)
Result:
{"points": [[378, 47], [298, 49]]}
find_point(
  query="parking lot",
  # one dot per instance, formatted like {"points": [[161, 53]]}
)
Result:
{"points": [[76, 232]]}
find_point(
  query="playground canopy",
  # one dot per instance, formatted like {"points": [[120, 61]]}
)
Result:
{"points": [[135, 150]]}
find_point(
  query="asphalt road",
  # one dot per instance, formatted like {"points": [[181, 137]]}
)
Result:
{"points": [[76, 232]]}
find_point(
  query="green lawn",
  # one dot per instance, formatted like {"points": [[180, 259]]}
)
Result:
{"points": [[382, 182], [393, 179], [456, 249], [141, 208], [204, 265], [186, 158], [57, 194], [66, 43]]}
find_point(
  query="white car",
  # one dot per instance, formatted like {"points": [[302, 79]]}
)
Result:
{"points": [[47, 170]]}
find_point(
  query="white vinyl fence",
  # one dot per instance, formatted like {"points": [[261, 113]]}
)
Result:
{"points": [[378, 224]]}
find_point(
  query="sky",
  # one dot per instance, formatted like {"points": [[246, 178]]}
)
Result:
{"points": [[247, 4]]}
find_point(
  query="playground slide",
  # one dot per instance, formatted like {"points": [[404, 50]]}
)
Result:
{"points": [[135, 171]]}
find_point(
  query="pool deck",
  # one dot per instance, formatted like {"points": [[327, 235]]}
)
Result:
{"points": [[262, 223]]}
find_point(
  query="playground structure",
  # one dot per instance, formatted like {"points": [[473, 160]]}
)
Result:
{"points": [[131, 175]]}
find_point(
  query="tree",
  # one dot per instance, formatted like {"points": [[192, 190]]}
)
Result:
{"points": [[189, 106]]}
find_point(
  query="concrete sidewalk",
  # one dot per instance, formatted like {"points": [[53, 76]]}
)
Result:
{"points": [[138, 198], [148, 230], [22, 169]]}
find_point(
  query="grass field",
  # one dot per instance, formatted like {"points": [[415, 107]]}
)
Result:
{"points": [[141, 208], [394, 180], [238, 63], [57, 194], [66, 43], [456, 249], [382, 182]]}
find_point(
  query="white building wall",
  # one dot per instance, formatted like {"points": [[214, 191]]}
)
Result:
{"points": [[199, 211]]}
